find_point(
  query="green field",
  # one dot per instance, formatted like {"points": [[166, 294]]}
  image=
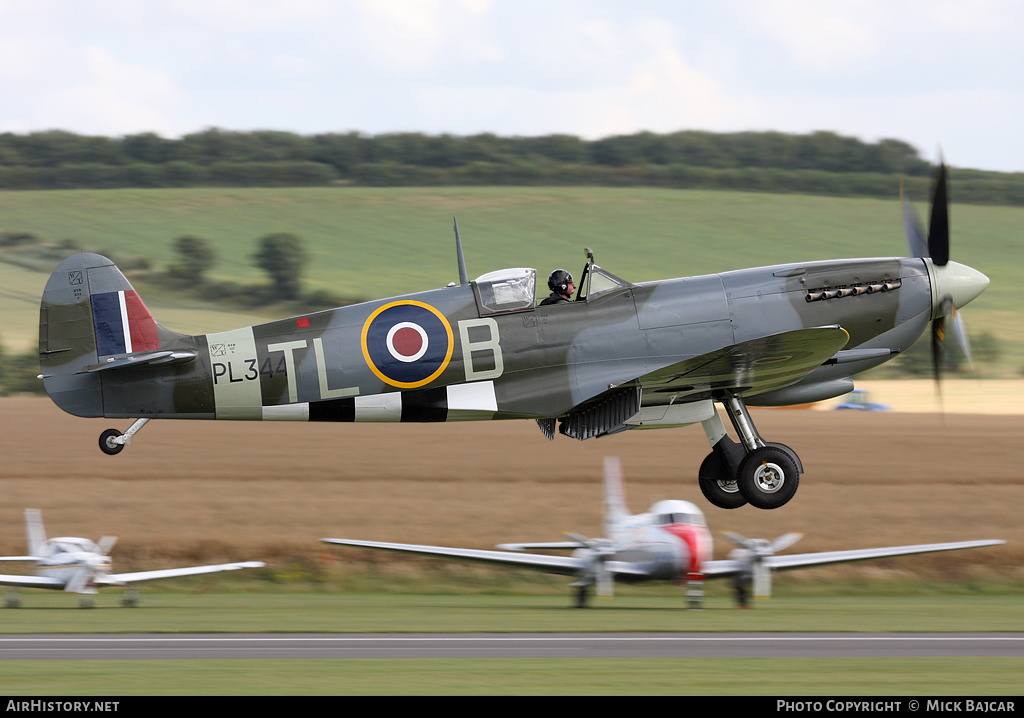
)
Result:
{"points": [[912, 677], [456, 612], [369, 243]]}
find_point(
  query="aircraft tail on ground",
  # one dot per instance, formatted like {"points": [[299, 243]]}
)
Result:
{"points": [[90, 317], [35, 531]]}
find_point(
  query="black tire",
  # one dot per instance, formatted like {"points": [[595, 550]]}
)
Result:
{"points": [[719, 488], [768, 477], [107, 446]]}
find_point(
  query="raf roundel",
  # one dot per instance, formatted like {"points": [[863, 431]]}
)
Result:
{"points": [[407, 344]]}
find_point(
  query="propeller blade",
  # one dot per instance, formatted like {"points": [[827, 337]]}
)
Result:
{"points": [[917, 242], [735, 538], [583, 541], [762, 581], [106, 544], [960, 332], [605, 581], [785, 541], [80, 581], [938, 228], [939, 339]]}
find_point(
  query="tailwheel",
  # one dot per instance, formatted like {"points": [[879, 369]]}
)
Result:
{"points": [[110, 442], [718, 485], [113, 441], [768, 477]]}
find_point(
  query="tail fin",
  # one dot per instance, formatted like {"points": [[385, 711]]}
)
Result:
{"points": [[614, 494], [36, 532], [89, 312]]}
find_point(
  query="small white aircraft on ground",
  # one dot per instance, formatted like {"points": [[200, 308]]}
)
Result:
{"points": [[670, 542], [78, 565]]}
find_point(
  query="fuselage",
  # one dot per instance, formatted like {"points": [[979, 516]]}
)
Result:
{"points": [[66, 559], [671, 542], [481, 350]]}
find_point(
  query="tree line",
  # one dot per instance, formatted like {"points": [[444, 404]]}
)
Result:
{"points": [[817, 163]]}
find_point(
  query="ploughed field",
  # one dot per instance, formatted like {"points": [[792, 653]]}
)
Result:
{"points": [[212, 491]]}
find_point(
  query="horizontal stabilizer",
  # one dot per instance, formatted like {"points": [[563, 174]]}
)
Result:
{"points": [[164, 357]]}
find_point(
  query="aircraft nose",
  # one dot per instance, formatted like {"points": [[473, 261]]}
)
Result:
{"points": [[958, 282]]}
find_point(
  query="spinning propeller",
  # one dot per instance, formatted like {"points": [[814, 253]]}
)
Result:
{"points": [[595, 552], [753, 552], [953, 284], [90, 566]]}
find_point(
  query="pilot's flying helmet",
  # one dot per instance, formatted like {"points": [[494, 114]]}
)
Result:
{"points": [[559, 281]]}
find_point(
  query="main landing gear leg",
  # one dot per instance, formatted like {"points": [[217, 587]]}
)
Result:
{"points": [[765, 475], [112, 440]]}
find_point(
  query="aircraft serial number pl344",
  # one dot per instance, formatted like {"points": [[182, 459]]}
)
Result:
{"points": [[622, 356]]}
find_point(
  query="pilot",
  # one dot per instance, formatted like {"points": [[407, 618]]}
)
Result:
{"points": [[562, 287]]}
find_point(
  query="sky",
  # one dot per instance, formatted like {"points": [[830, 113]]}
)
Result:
{"points": [[943, 75]]}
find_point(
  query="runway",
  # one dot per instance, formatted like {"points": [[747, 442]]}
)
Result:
{"points": [[534, 645]]}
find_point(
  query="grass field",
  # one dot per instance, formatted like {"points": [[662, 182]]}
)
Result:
{"points": [[370, 243], [912, 677]]}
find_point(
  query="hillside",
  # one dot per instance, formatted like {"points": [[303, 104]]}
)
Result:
{"points": [[366, 243]]}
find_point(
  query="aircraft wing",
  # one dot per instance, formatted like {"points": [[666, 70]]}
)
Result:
{"points": [[30, 581], [553, 564], [757, 366], [120, 578], [800, 560], [551, 545], [803, 560], [566, 565]]}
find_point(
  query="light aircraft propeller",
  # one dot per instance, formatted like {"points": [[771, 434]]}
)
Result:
{"points": [[753, 552]]}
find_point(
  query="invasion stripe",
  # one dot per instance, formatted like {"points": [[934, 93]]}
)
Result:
{"points": [[419, 405]]}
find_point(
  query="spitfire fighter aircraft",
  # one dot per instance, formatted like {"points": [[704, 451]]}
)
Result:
{"points": [[77, 565], [670, 542], [621, 356]]}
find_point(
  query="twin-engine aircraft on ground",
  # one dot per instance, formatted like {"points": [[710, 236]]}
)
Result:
{"points": [[621, 356], [670, 542], [77, 565]]}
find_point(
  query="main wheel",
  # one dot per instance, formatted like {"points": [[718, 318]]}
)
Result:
{"points": [[717, 486], [107, 443], [767, 477]]}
